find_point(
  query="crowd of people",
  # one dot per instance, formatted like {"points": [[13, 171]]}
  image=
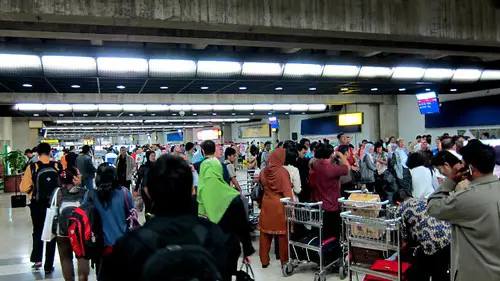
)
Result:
{"points": [[197, 216]]}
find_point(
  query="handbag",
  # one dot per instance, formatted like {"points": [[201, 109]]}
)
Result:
{"points": [[50, 223], [18, 200], [257, 192], [245, 273], [367, 175], [389, 267]]}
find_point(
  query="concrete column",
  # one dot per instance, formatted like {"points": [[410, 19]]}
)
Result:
{"points": [[389, 125], [411, 122], [23, 136], [188, 135], [6, 131], [227, 133], [284, 130]]}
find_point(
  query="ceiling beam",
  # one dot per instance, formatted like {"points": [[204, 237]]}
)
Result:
{"points": [[199, 46], [370, 54], [290, 50], [236, 98]]}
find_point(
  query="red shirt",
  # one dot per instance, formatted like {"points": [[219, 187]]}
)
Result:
{"points": [[328, 183]]}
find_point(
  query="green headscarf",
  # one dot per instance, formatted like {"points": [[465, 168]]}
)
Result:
{"points": [[214, 194]]}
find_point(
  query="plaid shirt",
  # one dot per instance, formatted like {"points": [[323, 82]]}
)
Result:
{"points": [[431, 233]]}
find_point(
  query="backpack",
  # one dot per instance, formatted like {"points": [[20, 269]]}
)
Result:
{"points": [[45, 180], [181, 261], [85, 232], [68, 205]]}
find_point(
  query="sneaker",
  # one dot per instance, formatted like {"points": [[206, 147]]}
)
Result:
{"points": [[49, 271], [36, 266]]}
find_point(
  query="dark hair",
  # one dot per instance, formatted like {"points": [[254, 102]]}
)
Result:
{"points": [[415, 160], [28, 151], [106, 181], [324, 152], [291, 156], [267, 143], [85, 149], [189, 146], [66, 175], [289, 144], [208, 147], [254, 150], [313, 145], [447, 143], [71, 147], [170, 183], [229, 152], [301, 147], [303, 141], [443, 157], [280, 144], [148, 153], [418, 137], [172, 149], [486, 134], [340, 135], [44, 149], [343, 148], [377, 145], [401, 195], [479, 155]]}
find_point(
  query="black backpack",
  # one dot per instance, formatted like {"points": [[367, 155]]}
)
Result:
{"points": [[181, 261], [45, 180]]}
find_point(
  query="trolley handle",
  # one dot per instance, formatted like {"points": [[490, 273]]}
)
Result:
{"points": [[289, 200], [343, 201], [348, 214]]}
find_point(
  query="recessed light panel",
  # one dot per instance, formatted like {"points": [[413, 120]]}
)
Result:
{"points": [[20, 64], [219, 68], [122, 67], [172, 68], [340, 71], [261, 69], [302, 69], [69, 66], [466, 75]]}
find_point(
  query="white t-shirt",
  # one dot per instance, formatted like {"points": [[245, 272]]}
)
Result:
{"points": [[295, 178], [422, 182]]}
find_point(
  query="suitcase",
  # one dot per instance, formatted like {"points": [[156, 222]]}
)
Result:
{"points": [[365, 256], [331, 250]]}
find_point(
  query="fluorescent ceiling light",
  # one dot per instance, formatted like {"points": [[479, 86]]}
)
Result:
{"points": [[427, 89], [201, 107], [402, 89], [134, 107], [59, 107], [375, 72], [84, 107], [18, 64], [261, 107], [30, 107], [340, 71], [466, 75], [261, 69], [204, 87], [180, 107], [374, 89], [110, 107], [163, 87], [129, 67], [121, 87], [432, 74], [408, 73], [312, 89], [317, 107], [219, 68], [222, 107], [69, 66], [242, 88], [278, 88], [453, 90], [75, 86], [300, 107], [27, 85], [344, 89], [490, 75], [282, 107], [156, 107], [169, 68], [302, 69], [243, 107]]}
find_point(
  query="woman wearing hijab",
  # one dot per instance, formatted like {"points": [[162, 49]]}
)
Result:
{"points": [[276, 182], [368, 168], [141, 187], [222, 205]]}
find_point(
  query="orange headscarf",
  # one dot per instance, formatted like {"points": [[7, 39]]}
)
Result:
{"points": [[274, 175]]}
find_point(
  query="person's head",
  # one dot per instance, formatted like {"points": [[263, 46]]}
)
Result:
{"points": [[305, 142], [401, 143], [123, 151], [177, 149], [189, 147], [418, 138], [70, 177], [379, 147], [479, 157], [139, 150], [446, 163], [44, 149], [400, 196], [230, 154], [448, 143], [323, 152], [348, 139], [415, 160], [313, 146], [386, 140], [170, 183], [341, 137], [392, 139], [28, 152], [254, 150], [302, 150], [85, 149], [369, 148], [485, 136], [208, 148], [267, 145], [106, 181], [424, 146], [291, 156], [344, 149], [218, 151], [363, 142], [280, 144], [150, 156], [72, 148]]}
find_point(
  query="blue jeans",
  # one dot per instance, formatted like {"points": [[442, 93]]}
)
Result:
{"points": [[89, 184]]}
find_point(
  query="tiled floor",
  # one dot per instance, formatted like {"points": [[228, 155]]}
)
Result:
{"points": [[15, 245]]}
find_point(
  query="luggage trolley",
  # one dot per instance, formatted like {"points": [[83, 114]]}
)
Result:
{"points": [[379, 233], [309, 215]]}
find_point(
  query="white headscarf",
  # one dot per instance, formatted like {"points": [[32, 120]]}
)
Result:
{"points": [[366, 151]]}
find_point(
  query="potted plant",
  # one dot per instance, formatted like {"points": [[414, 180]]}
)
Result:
{"points": [[14, 163]]}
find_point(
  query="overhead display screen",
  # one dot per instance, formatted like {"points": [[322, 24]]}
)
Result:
{"points": [[428, 103]]}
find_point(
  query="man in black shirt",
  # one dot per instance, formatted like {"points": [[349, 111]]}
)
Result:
{"points": [[71, 157]]}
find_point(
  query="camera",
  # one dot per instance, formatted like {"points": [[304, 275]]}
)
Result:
{"points": [[182, 113]]}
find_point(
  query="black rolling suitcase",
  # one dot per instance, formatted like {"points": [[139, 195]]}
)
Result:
{"points": [[331, 250]]}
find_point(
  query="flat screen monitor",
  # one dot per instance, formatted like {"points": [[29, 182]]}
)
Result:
{"points": [[428, 103], [273, 121]]}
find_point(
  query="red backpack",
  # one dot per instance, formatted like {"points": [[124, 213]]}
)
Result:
{"points": [[85, 232]]}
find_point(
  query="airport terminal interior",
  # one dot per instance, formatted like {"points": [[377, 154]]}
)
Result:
{"points": [[267, 81]]}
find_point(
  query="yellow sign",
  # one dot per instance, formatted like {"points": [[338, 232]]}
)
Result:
{"points": [[50, 141], [88, 141], [350, 119], [254, 131]]}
